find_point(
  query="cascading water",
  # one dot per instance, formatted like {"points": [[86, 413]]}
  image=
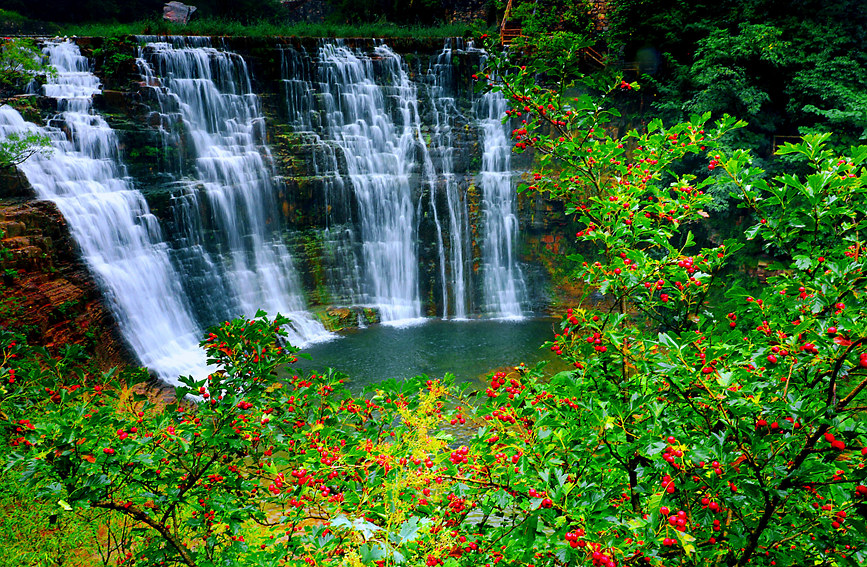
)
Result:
{"points": [[503, 282], [356, 113], [454, 259], [119, 238], [379, 151], [226, 215], [393, 187]]}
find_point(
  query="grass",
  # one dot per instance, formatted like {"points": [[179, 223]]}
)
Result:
{"points": [[220, 27], [38, 532]]}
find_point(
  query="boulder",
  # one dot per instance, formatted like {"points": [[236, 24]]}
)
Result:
{"points": [[178, 12]]}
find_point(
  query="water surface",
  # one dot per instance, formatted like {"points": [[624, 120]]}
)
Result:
{"points": [[467, 349]]}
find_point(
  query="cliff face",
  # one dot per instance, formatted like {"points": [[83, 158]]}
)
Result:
{"points": [[47, 293]]}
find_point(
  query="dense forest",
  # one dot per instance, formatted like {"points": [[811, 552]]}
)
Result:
{"points": [[699, 413]]}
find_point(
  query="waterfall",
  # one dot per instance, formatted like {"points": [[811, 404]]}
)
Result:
{"points": [[120, 240], [503, 282], [340, 260], [455, 259], [229, 237], [376, 127], [357, 114]]}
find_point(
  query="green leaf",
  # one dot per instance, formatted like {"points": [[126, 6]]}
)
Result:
{"points": [[371, 552], [803, 262], [686, 541], [668, 342], [408, 530]]}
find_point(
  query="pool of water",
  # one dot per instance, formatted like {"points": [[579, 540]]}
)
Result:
{"points": [[467, 349]]}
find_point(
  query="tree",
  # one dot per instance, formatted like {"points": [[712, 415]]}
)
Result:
{"points": [[712, 430], [16, 147], [20, 62], [784, 67]]}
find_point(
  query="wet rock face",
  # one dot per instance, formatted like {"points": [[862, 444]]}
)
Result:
{"points": [[46, 292]]}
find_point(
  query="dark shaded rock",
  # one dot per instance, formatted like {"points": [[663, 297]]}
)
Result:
{"points": [[13, 184]]}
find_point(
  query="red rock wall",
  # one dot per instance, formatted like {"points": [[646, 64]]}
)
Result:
{"points": [[46, 292]]}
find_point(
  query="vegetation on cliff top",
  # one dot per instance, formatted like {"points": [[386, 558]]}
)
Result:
{"points": [[224, 27]]}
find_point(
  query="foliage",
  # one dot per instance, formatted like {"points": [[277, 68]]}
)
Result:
{"points": [[17, 147], [13, 23], [785, 67], [116, 57], [249, 474], [410, 11], [720, 71], [11, 17], [20, 62], [223, 27], [35, 533], [544, 16], [706, 436]]}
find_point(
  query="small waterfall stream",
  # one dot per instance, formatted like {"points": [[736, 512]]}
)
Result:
{"points": [[109, 219], [226, 210], [379, 152], [455, 259], [503, 281]]}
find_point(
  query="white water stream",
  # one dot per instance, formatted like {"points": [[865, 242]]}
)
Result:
{"points": [[504, 290], [379, 152], [233, 243], [120, 240]]}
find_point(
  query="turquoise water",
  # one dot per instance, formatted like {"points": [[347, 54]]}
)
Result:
{"points": [[467, 349]]}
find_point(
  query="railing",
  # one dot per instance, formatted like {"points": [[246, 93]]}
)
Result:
{"points": [[594, 55], [508, 31]]}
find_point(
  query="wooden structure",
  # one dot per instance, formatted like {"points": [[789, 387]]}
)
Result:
{"points": [[509, 29]]}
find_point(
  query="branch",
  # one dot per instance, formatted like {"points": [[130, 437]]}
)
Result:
{"points": [[141, 516], [190, 483]]}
